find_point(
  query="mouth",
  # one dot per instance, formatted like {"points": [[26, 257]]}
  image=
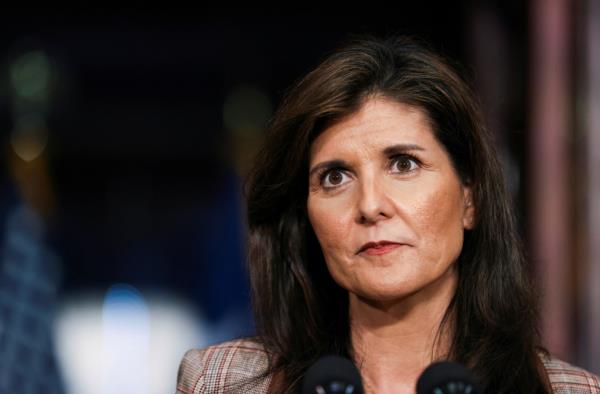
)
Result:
{"points": [[378, 248]]}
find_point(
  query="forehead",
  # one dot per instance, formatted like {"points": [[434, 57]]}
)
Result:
{"points": [[377, 124]]}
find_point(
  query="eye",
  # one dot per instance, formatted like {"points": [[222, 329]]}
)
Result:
{"points": [[404, 163], [334, 178]]}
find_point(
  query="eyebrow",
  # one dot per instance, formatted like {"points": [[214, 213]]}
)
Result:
{"points": [[389, 151], [401, 148]]}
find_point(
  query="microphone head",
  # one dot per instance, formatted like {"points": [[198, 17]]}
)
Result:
{"points": [[332, 374], [446, 377]]}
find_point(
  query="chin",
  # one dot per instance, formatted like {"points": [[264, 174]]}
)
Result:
{"points": [[385, 292]]}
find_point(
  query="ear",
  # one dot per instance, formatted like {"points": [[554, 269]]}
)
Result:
{"points": [[469, 210]]}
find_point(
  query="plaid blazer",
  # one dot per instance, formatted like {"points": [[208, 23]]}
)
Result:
{"points": [[236, 366]]}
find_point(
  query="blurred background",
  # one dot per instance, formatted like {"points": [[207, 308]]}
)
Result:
{"points": [[126, 134]]}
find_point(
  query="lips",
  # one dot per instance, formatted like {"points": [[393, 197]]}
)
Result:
{"points": [[378, 248]]}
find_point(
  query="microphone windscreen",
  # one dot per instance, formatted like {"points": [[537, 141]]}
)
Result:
{"points": [[446, 377], [332, 374]]}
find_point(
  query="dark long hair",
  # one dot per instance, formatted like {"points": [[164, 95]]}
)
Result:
{"points": [[301, 313]]}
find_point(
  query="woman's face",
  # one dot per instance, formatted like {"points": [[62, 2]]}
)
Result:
{"points": [[385, 202]]}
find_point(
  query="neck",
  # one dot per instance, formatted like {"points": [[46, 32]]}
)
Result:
{"points": [[394, 341]]}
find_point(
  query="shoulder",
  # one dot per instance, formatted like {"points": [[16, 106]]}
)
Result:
{"points": [[232, 367], [566, 378]]}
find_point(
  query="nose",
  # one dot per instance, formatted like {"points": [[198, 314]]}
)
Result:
{"points": [[373, 204]]}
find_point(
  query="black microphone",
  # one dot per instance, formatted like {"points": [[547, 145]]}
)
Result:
{"points": [[445, 377], [332, 375]]}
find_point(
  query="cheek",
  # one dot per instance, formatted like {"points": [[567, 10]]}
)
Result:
{"points": [[438, 221], [332, 225], [326, 222]]}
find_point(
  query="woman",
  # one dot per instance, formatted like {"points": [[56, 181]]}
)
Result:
{"points": [[381, 230]]}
